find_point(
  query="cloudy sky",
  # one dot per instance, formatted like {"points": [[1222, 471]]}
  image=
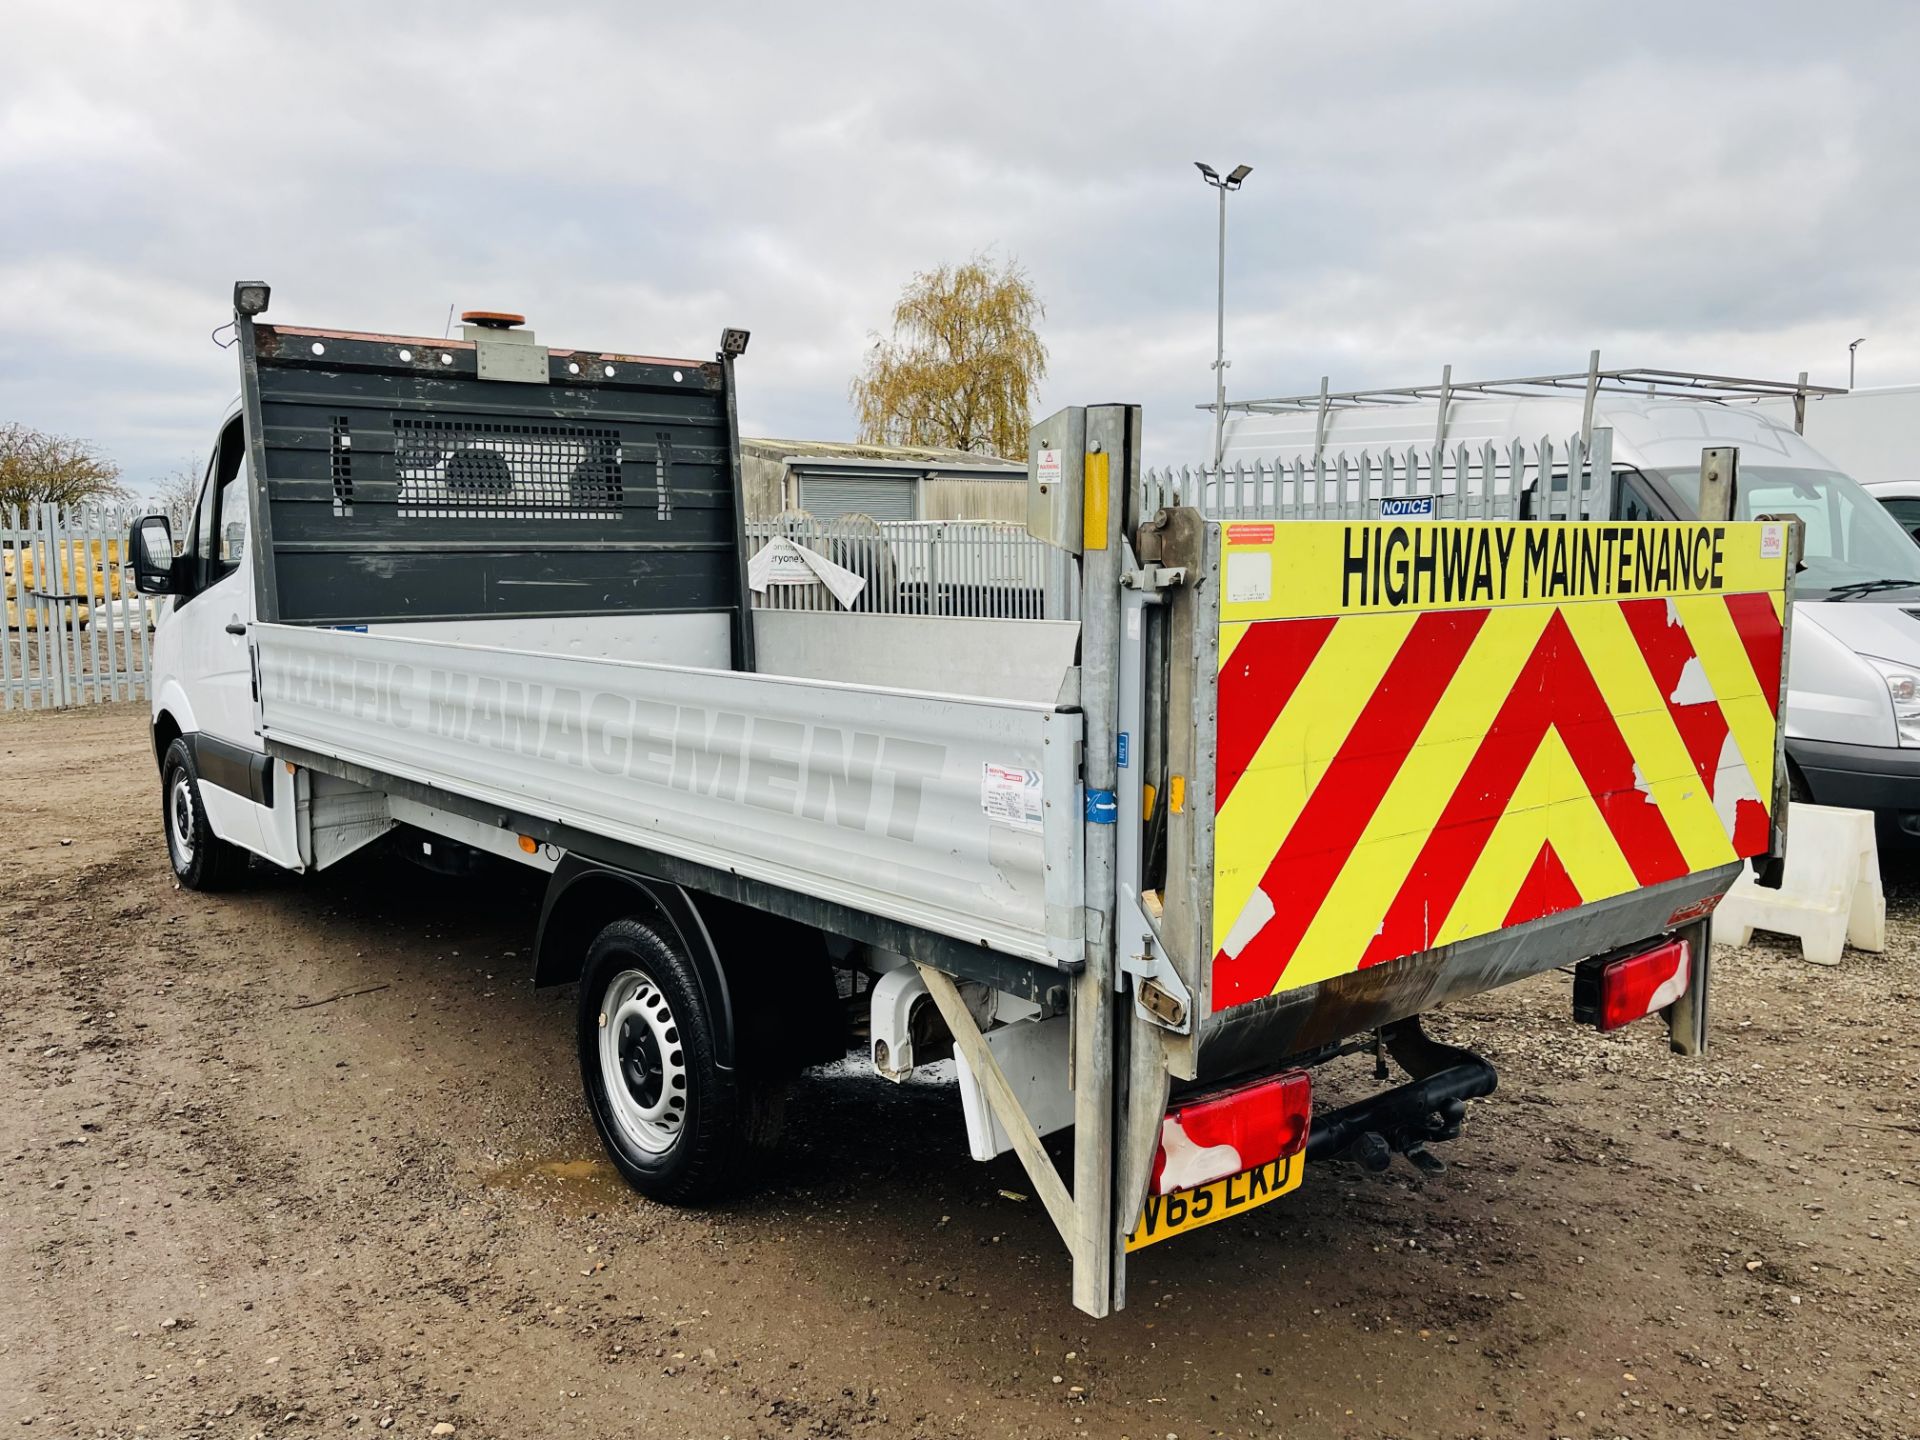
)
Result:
{"points": [[1498, 185]]}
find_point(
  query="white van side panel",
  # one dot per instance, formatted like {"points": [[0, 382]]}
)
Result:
{"points": [[1873, 435]]}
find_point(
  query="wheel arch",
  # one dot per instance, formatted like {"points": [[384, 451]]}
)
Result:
{"points": [[166, 730], [584, 896]]}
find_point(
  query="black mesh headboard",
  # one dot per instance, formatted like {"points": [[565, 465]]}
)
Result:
{"points": [[400, 485]]}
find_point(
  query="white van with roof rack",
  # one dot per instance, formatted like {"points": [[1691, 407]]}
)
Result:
{"points": [[1627, 445]]}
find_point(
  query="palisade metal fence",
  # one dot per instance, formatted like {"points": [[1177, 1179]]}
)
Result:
{"points": [[977, 568], [76, 631], [1535, 480]]}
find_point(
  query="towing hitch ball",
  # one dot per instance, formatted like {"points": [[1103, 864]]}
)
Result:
{"points": [[1406, 1119], [1375, 1153]]}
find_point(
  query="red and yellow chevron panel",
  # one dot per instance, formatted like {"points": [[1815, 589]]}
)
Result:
{"points": [[1435, 730]]}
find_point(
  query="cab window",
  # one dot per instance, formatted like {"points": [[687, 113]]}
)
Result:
{"points": [[202, 540], [219, 533], [1851, 541], [233, 524], [1905, 509], [1634, 502]]}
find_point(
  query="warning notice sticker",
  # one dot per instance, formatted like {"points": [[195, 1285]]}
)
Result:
{"points": [[1010, 796]]}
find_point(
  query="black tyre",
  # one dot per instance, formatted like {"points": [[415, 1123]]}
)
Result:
{"points": [[678, 1126], [201, 859]]}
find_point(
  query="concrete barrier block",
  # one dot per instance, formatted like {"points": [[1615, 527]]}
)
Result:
{"points": [[1831, 895]]}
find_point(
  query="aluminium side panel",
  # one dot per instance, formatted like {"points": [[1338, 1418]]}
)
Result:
{"points": [[958, 816]]}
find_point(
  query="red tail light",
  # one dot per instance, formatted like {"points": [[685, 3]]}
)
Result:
{"points": [[1218, 1135], [1611, 992]]}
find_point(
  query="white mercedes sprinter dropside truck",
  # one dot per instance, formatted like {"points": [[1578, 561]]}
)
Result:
{"points": [[1273, 794]]}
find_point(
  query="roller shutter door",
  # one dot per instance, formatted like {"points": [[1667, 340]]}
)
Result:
{"points": [[884, 497]]}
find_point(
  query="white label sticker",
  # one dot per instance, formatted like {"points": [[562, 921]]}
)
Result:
{"points": [[1249, 577], [1048, 471], [1010, 796], [781, 562], [1773, 541]]}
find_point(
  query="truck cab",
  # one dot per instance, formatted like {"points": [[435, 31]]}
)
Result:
{"points": [[219, 801]]}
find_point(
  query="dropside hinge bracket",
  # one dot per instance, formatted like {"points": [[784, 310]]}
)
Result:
{"points": [[1159, 995], [1153, 578]]}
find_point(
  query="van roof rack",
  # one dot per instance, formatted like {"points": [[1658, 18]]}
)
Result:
{"points": [[1593, 380], [1693, 385]]}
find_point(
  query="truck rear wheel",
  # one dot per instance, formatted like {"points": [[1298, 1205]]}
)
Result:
{"points": [[680, 1127], [201, 859]]}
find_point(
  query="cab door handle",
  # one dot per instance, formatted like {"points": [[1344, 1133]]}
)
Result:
{"points": [[234, 627]]}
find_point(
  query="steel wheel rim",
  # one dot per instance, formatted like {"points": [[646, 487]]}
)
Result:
{"points": [[643, 1064], [180, 819]]}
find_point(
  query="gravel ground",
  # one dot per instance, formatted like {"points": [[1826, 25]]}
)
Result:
{"points": [[224, 1214]]}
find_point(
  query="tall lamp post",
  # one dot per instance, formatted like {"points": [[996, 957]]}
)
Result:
{"points": [[1850, 349], [1232, 180]]}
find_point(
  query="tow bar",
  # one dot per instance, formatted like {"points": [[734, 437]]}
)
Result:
{"points": [[1407, 1118]]}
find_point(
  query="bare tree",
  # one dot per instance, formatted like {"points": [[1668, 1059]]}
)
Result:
{"points": [[173, 495], [37, 468]]}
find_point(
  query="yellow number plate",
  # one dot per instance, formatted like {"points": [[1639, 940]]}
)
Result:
{"points": [[1184, 1210]]}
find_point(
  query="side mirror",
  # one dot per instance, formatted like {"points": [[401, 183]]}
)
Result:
{"points": [[150, 550]]}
